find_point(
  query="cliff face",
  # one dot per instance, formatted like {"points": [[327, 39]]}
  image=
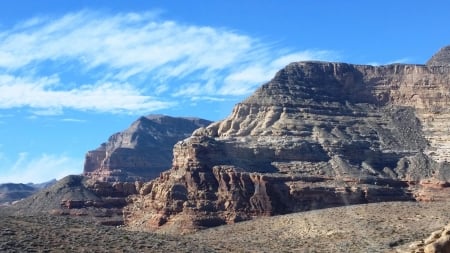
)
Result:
{"points": [[140, 152], [318, 135]]}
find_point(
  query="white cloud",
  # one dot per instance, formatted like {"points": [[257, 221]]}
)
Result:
{"points": [[207, 98], [405, 60], [401, 60], [40, 169], [105, 97], [53, 111], [73, 120], [127, 62]]}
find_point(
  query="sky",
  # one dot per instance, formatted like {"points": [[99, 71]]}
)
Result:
{"points": [[74, 72]]}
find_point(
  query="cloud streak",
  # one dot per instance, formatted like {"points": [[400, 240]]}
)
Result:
{"points": [[130, 62], [40, 169], [106, 97]]}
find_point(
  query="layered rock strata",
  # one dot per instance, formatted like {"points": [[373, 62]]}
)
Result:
{"points": [[318, 135], [140, 152]]}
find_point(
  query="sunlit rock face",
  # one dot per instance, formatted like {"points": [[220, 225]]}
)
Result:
{"points": [[318, 135], [441, 58], [142, 151]]}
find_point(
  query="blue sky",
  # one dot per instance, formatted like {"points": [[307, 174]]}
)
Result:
{"points": [[74, 72]]}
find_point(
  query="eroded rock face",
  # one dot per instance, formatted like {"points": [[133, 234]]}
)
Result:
{"points": [[140, 152], [318, 135]]}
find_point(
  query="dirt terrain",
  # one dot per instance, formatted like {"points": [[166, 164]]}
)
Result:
{"points": [[67, 234], [380, 227]]}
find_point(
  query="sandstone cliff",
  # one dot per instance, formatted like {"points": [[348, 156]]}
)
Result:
{"points": [[318, 135], [140, 152]]}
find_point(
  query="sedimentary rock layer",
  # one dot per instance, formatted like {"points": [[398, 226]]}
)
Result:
{"points": [[140, 152], [319, 134]]}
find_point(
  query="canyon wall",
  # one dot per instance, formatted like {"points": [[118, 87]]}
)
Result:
{"points": [[142, 151], [318, 135]]}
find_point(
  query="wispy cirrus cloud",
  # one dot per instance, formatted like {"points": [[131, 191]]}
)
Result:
{"points": [[130, 63], [404, 60], [41, 94], [73, 120], [41, 168]]}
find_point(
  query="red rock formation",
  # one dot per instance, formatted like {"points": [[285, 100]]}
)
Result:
{"points": [[318, 135]]}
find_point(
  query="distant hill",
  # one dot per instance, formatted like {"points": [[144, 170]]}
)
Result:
{"points": [[10, 192], [79, 196]]}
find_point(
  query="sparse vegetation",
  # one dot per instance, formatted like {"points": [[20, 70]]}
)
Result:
{"points": [[380, 227]]}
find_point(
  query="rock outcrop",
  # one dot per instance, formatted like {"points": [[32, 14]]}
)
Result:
{"points": [[437, 242], [140, 152], [318, 135]]}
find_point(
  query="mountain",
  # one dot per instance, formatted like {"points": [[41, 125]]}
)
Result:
{"points": [[319, 134], [10, 192], [441, 58], [142, 151], [113, 172]]}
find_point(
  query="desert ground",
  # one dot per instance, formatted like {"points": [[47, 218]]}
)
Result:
{"points": [[379, 227]]}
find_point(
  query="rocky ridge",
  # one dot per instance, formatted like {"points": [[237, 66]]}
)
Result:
{"points": [[319, 134], [441, 58], [78, 196], [11, 192], [140, 152]]}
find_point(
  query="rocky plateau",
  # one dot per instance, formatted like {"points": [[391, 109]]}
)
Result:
{"points": [[318, 135]]}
